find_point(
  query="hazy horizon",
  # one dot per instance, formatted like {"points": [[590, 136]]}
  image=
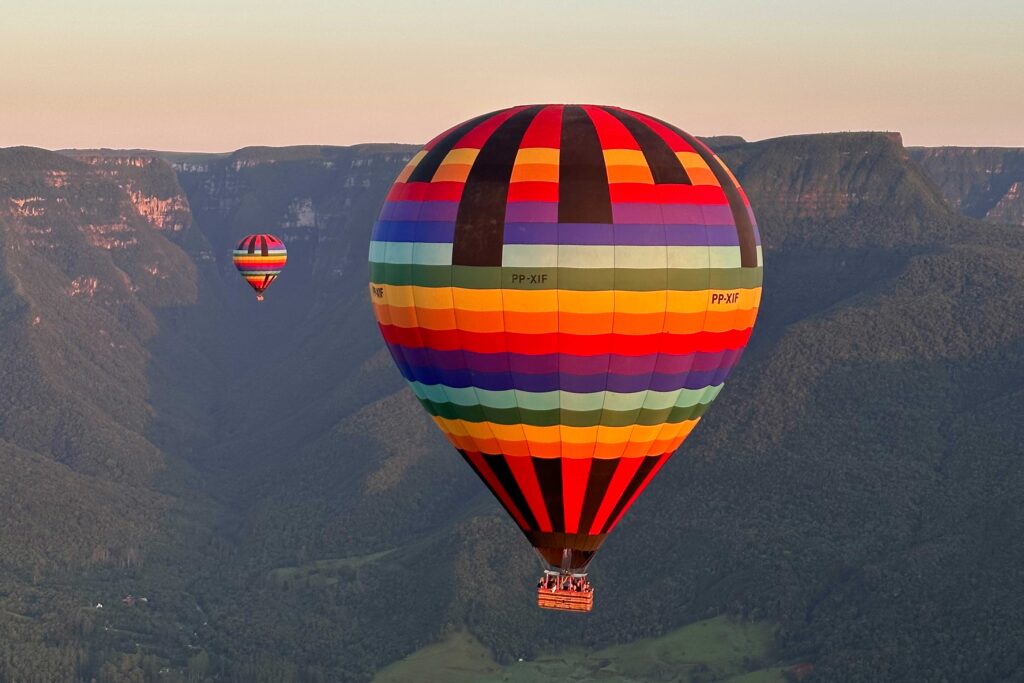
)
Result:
{"points": [[394, 142], [202, 78]]}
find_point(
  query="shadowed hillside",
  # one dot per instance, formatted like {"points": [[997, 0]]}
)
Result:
{"points": [[982, 182]]}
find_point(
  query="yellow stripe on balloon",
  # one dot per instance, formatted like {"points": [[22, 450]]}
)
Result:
{"points": [[697, 169], [538, 155], [411, 166], [566, 301]]}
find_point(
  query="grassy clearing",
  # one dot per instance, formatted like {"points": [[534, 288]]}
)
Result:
{"points": [[716, 649], [459, 659]]}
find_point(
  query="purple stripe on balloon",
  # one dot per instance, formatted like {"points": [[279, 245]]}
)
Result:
{"points": [[641, 235], [625, 235], [534, 383], [636, 213], [531, 233], [723, 236], [628, 384], [584, 365], [553, 381], [559, 233], [714, 214], [710, 214], [693, 380], [531, 212], [567, 233], [400, 211], [414, 231], [589, 384], [690, 214], [521, 365], [632, 365]]}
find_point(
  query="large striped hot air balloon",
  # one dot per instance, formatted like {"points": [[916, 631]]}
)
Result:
{"points": [[260, 259], [566, 288]]}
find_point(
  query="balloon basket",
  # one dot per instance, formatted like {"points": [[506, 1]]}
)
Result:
{"points": [[565, 592]]}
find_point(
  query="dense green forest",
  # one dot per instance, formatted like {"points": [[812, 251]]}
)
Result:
{"points": [[259, 482]]}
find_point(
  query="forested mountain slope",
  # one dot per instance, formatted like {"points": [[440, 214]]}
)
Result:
{"points": [[260, 474]]}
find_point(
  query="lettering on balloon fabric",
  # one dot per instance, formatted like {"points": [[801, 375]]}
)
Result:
{"points": [[529, 278], [725, 298]]}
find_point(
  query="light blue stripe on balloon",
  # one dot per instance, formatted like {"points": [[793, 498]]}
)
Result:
{"points": [[404, 253]]}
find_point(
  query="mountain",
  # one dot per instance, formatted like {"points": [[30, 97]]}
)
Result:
{"points": [[259, 473], [982, 182]]}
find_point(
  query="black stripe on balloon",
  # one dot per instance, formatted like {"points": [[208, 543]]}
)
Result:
{"points": [[634, 484], [263, 245], [252, 244], [601, 472], [549, 476], [740, 214], [663, 162], [494, 492], [583, 194], [501, 470], [480, 221], [425, 170]]}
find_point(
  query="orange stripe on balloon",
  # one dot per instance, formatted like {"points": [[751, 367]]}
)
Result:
{"points": [[540, 173]]}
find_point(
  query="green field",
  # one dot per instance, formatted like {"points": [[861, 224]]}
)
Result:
{"points": [[718, 649]]}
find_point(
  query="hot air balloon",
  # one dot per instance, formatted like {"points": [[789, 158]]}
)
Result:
{"points": [[260, 259], [565, 288]]}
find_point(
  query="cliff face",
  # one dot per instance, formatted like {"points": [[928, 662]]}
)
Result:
{"points": [[317, 199], [84, 278], [982, 182], [864, 179], [89, 269]]}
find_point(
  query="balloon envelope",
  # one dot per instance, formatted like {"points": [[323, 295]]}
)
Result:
{"points": [[260, 259], [566, 288]]}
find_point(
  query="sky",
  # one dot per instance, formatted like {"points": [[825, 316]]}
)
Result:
{"points": [[208, 75]]}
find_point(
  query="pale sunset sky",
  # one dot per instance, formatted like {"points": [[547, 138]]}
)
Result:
{"points": [[203, 75]]}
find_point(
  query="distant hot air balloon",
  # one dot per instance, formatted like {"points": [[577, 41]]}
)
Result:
{"points": [[260, 259], [566, 288]]}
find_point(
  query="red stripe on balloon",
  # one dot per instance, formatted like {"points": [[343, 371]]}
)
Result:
{"points": [[623, 475], [610, 131], [673, 139], [545, 130], [575, 472], [485, 472], [478, 136], [441, 191], [526, 476], [581, 345], [640, 489], [532, 191]]}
